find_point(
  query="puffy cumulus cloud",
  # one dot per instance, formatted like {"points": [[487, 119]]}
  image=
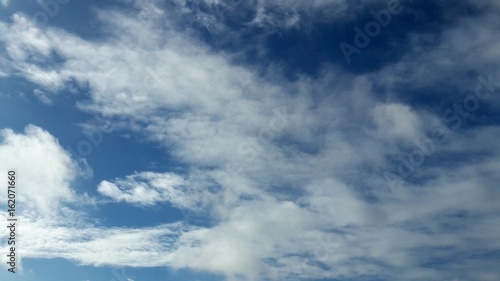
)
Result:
{"points": [[44, 169], [148, 188], [52, 224], [44, 174]]}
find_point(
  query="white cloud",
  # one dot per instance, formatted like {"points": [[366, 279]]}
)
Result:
{"points": [[398, 121], [290, 191], [45, 170], [144, 247], [5, 3], [22, 33], [148, 188]]}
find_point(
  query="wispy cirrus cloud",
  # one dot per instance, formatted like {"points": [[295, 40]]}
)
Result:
{"points": [[277, 194]]}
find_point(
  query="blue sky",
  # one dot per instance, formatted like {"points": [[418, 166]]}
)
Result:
{"points": [[251, 139]]}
